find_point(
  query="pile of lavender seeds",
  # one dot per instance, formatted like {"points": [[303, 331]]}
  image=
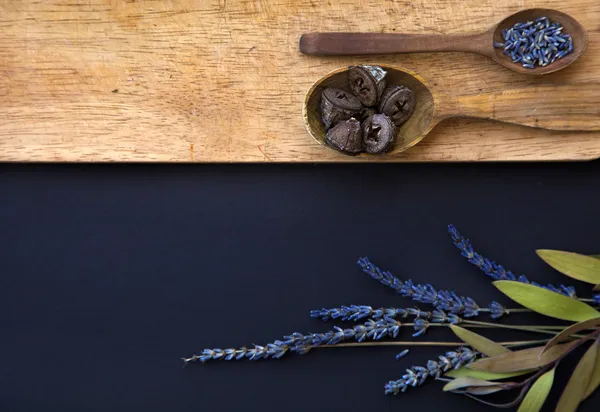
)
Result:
{"points": [[536, 43]]}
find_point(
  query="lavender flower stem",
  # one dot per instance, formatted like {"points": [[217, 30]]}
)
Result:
{"points": [[508, 310], [413, 343], [528, 328]]}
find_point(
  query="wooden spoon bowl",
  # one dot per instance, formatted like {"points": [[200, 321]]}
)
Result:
{"points": [[571, 26], [417, 124], [547, 106]]}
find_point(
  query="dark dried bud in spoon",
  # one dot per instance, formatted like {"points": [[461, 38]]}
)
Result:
{"points": [[379, 134], [398, 103], [338, 105], [367, 83], [366, 112], [346, 136]]}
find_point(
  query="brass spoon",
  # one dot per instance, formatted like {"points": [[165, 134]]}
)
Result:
{"points": [[555, 107], [342, 44]]}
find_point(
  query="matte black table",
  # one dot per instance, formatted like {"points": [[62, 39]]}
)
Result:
{"points": [[110, 274]]}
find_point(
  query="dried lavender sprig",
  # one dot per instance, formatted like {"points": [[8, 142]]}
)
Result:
{"points": [[441, 299], [302, 343], [273, 350], [497, 310], [371, 329], [417, 375], [495, 271], [357, 312], [420, 323]]}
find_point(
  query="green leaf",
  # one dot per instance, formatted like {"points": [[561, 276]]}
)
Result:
{"points": [[464, 382], [482, 344], [489, 376], [485, 390], [596, 256], [546, 302], [579, 382], [538, 393], [521, 360], [580, 267], [595, 378], [587, 324]]}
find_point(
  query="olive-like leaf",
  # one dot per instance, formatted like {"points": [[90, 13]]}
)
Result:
{"points": [[482, 344], [586, 324], [595, 378], [546, 302], [538, 393], [489, 376], [464, 382], [579, 382], [580, 267], [521, 360], [485, 390], [596, 256]]}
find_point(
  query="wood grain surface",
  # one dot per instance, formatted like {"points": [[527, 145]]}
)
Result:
{"points": [[224, 81]]}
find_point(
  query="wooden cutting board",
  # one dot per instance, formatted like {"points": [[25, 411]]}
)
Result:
{"points": [[223, 80]]}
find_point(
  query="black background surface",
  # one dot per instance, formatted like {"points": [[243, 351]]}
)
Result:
{"points": [[110, 274]]}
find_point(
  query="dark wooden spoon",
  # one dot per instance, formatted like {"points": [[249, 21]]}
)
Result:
{"points": [[342, 44]]}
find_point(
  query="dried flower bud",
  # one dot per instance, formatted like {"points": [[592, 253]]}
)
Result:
{"points": [[367, 83], [366, 112], [346, 136], [398, 103], [379, 134], [338, 105]]}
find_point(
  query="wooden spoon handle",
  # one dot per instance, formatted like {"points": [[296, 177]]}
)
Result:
{"points": [[343, 44], [555, 107]]}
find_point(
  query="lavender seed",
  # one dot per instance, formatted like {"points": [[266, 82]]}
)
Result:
{"points": [[539, 42], [401, 354]]}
